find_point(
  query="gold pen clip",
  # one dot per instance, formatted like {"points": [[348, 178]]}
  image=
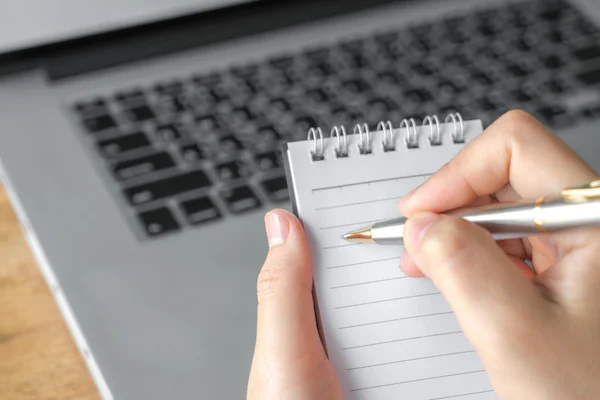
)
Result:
{"points": [[581, 193]]}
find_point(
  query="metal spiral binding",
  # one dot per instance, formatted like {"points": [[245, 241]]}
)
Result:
{"points": [[339, 150], [318, 151], [411, 140]]}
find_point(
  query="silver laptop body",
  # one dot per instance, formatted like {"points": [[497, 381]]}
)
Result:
{"points": [[141, 182]]}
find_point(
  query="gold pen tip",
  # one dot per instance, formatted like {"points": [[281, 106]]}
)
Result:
{"points": [[359, 236]]}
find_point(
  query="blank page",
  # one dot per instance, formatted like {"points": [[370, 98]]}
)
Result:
{"points": [[388, 336]]}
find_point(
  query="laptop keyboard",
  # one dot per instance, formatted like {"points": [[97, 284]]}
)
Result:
{"points": [[190, 151]]}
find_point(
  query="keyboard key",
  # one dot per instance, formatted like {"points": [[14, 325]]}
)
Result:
{"points": [[450, 87], [517, 71], [356, 61], [322, 69], [139, 113], [392, 77], [317, 54], [93, 106], [116, 146], [240, 199], [354, 46], [456, 59], [174, 103], [590, 77], [357, 85], [591, 111], [168, 132], [168, 187], [387, 37], [99, 123], [485, 104], [418, 95], [142, 166], [171, 87], [130, 96], [587, 53], [268, 161], [554, 115], [282, 62], [233, 170], [487, 30], [424, 69], [200, 210], [276, 189], [280, 104], [267, 137], [207, 123], [556, 37], [304, 123], [382, 104], [552, 61], [519, 95], [158, 222], [553, 14], [207, 80], [193, 152], [242, 114], [230, 145]]}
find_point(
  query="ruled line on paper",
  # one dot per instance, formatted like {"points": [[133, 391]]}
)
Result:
{"points": [[412, 359], [456, 396], [340, 245], [402, 340], [396, 319], [419, 380], [387, 300], [399, 178], [369, 282], [355, 223], [363, 263], [358, 203]]}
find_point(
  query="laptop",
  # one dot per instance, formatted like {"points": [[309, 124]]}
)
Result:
{"points": [[139, 145]]}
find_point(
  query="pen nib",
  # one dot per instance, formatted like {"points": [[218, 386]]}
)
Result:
{"points": [[359, 236]]}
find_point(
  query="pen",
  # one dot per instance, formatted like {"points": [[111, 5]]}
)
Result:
{"points": [[575, 207]]}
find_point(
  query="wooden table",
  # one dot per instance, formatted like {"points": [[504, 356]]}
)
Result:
{"points": [[38, 358]]}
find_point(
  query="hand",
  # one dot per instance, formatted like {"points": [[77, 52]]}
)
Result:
{"points": [[289, 360], [538, 334]]}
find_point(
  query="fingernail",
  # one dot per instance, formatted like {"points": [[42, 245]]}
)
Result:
{"points": [[418, 225], [278, 228]]}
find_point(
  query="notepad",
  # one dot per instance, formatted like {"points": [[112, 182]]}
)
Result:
{"points": [[388, 336]]}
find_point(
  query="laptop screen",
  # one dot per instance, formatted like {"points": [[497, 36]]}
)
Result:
{"points": [[30, 23]]}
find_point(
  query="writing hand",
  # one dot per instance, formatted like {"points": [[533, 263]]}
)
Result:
{"points": [[537, 333]]}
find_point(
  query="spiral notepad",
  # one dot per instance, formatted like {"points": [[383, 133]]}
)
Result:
{"points": [[387, 335]]}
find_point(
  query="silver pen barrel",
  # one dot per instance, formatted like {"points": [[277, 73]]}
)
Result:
{"points": [[508, 221]]}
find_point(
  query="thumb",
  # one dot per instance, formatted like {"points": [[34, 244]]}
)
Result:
{"points": [[488, 294], [287, 338]]}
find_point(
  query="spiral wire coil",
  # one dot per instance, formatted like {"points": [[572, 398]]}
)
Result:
{"points": [[411, 139]]}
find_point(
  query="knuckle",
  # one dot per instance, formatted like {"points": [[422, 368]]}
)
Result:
{"points": [[270, 277], [516, 119], [516, 122], [447, 239]]}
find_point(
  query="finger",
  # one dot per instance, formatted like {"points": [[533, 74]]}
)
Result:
{"points": [[574, 277], [286, 329], [516, 149], [513, 248], [486, 291]]}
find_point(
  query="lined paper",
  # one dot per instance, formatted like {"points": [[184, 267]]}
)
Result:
{"points": [[387, 335]]}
